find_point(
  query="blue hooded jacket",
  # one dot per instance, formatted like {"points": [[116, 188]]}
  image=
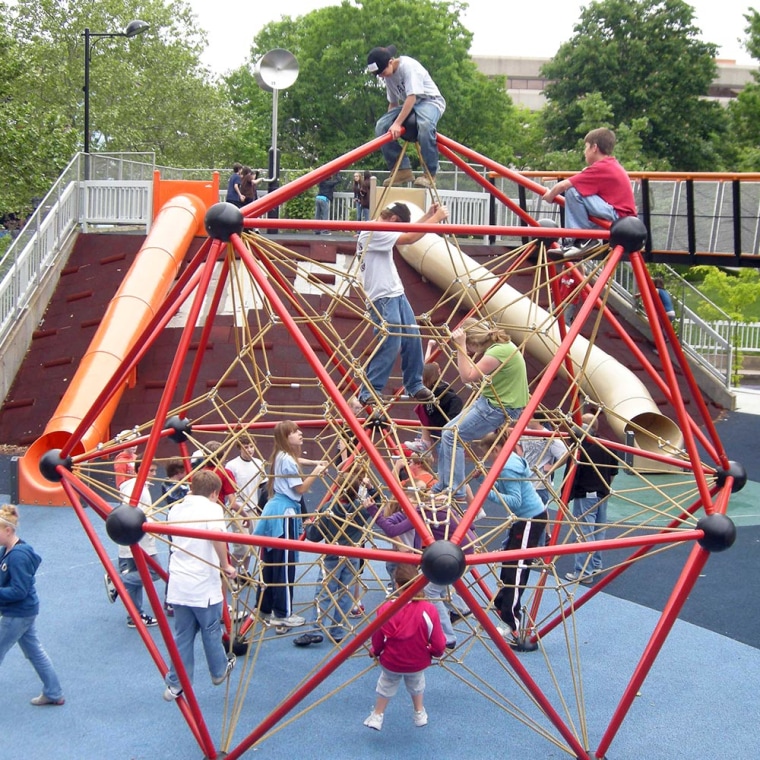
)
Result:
{"points": [[18, 596]]}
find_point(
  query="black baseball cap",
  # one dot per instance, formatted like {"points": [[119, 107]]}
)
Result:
{"points": [[379, 58]]}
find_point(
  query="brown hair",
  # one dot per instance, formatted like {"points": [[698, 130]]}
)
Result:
{"points": [[431, 374], [175, 466], [404, 574], [603, 138], [397, 209], [205, 483], [282, 430]]}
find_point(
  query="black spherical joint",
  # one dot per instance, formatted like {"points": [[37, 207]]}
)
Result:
{"points": [[443, 563], [222, 221], [180, 427], [49, 463], [124, 525], [720, 532], [737, 472], [410, 127], [629, 232]]}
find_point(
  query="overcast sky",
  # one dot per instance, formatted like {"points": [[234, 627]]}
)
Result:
{"points": [[527, 28]]}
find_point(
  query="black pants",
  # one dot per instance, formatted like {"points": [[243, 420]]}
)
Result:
{"points": [[524, 534]]}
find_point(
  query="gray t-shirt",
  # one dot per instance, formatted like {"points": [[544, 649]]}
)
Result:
{"points": [[412, 78], [377, 270]]}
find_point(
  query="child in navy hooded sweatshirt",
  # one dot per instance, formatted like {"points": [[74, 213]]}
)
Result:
{"points": [[19, 606]]}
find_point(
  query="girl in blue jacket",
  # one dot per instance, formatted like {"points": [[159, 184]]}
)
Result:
{"points": [[514, 489]]}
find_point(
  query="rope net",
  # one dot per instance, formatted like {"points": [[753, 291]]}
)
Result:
{"points": [[267, 299]]}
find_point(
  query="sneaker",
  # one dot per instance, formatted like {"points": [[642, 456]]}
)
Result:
{"points": [[586, 580], [375, 720], [305, 639], [402, 176], [455, 615], [43, 700], [423, 181], [515, 642], [294, 621], [420, 717], [111, 591], [147, 619], [576, 251], [356, 406], [172, 692], [425, 395], [231, 659], [357, 612]]}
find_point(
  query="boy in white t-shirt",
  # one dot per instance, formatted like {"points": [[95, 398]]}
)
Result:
{"points": [[390, 309]]}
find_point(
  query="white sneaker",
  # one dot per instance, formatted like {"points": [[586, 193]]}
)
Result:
{"points": [[420, 717], [231, 659], [294, 621], [375, 720], [586, 580], [111, 591], [171, 693]]}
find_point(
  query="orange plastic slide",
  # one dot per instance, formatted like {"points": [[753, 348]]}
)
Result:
{"points": [[144, 288]]}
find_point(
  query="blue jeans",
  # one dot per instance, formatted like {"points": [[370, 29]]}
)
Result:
{"points": [[579, 207], [362, 213], [322, 210], [471, 424], [436, 594], [130, 577], [590, 513], [427, 120], [187, 622], [22, 631], [396, 315], [334, 600]]}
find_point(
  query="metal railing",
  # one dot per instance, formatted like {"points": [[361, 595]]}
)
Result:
{"points": [[701, 341], [40, 242], [119, 192]]}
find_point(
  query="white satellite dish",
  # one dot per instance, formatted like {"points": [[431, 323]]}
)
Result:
{"points": [[276, 70]]}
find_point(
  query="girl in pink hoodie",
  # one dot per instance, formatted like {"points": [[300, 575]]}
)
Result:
{"points": [[405, 646]]}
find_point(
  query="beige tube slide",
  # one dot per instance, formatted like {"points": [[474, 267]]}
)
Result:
{"points": [[627, 404]]}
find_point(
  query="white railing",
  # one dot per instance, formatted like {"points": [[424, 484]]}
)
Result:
{"points": [[42, 240], [744, 335], [119, 192], [125, 202], [702, 342]]}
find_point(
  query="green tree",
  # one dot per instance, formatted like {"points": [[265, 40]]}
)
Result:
{"points": [[149, 93], [736, 292], [334, 104], [644, 60], [36, 141], [744, 110]]}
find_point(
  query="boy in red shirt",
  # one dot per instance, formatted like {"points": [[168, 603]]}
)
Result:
{"points": [[405, 646], [602, 190]]}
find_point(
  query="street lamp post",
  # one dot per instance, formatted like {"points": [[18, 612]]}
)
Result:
{"points": [[133, 29]]}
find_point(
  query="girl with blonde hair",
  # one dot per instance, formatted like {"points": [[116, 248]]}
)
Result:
{"points": [[486, 356], [19, 606]]}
